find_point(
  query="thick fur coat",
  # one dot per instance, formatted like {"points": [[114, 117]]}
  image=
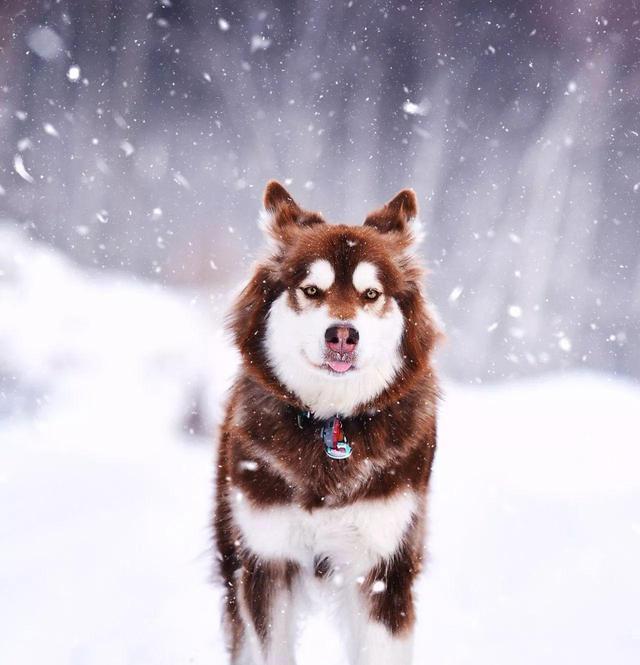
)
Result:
{"points": [[333, 322]]}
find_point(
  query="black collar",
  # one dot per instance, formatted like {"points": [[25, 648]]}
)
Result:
{"points": [[304, 417]]}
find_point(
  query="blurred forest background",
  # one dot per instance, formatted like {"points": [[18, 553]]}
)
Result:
{"points": [[138, 136]]}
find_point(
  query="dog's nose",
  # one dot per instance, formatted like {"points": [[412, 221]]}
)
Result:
{"points": [[342, 339]]}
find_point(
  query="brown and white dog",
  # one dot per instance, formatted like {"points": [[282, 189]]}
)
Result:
{"points": [[328, 442]]}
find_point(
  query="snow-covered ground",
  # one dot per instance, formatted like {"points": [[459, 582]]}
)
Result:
{"points": [[105, 495]]}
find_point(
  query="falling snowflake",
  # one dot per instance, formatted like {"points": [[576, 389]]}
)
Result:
{"points": [[259, 43], [515, 311], [50, 129], [564, 343], [456, 293], [20, 169], [73, 73], [411, 108], [127, 148], [179, 179], [45, 42]]}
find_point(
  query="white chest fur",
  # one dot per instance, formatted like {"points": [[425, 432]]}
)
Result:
{"points": [[355, 537]]}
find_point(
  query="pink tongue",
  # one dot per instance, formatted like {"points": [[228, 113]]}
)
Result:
{"points": [[339, 365]]}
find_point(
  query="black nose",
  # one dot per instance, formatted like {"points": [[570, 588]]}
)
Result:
{"points": [[342, 339]]}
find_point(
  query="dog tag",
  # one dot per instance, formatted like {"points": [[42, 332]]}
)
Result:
{"points": [[334, 439]]}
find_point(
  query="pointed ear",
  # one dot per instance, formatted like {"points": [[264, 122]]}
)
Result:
{"points": [[282, 213], [395, 215], [276, 196]]}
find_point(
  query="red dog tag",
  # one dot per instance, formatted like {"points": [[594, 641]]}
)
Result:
{"points": [[335, 442]]}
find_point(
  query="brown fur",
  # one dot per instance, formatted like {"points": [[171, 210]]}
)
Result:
{"points": [[395, 434]]}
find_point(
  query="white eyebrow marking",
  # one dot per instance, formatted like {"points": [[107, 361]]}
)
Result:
{"points": [[321, 274], [365, 276]]}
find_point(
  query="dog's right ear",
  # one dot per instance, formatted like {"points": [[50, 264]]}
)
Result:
{"points": [[282, 214]]}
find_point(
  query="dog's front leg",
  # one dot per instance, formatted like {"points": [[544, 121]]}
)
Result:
{"points": [[266, 594], [381, 614]]}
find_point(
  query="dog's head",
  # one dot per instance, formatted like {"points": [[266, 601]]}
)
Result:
{"points": [[335, 318]]}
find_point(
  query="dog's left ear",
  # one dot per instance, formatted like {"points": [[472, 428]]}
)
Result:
{"points": [[282, 214], [395, 216]]}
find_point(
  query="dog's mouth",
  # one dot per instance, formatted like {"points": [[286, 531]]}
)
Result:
{"points": [[334, 363], [339, 363]]}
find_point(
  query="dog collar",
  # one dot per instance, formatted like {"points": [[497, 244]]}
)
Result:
{"points": [[332, 435]]}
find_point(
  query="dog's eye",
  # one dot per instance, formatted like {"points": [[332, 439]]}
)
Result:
{"points": [[371, 294], [311, 291]]}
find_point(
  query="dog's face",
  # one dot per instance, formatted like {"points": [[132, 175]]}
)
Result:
{"points": [[337, 301], [333, 336]]}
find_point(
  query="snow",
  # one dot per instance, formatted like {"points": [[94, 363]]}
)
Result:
{"points": [[411, 108], [20, 169], [45, 42], [259, 43], [456, 293], [73, 73], [127, 148], [50, 130], [515, 311], [106, 554]]}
